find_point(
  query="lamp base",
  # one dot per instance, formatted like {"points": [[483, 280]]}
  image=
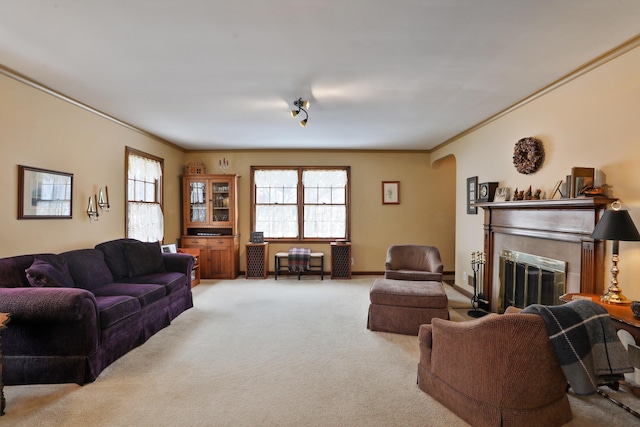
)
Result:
{"points": [[615, 297]]}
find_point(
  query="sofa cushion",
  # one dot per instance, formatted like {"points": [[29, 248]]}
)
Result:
{"points": [[88, 269], [146, 293], [171, 281], [114, 308], [143, 258], [49, 273], [115, 258]]}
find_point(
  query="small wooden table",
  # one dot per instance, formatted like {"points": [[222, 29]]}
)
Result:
{"points": [[4, 319], [622, 316]]}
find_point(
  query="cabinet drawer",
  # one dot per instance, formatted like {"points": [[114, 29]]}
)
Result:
{"points": [[194, 241], [212, 242]]}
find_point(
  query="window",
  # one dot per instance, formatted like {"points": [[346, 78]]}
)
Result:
{"points": [[145, 220], [300, 203]]}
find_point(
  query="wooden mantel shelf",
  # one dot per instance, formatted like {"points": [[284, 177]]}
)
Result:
{"points": [[576, 203]]}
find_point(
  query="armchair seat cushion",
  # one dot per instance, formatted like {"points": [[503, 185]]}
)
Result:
{"points": [[413, 275]]}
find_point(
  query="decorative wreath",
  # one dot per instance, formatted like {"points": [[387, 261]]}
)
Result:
{"points": [[528, 155]]}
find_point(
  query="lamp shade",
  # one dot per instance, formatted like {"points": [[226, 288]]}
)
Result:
{"points": [[616, 225]]}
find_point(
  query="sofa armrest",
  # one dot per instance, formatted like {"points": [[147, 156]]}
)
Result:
{"points": [[47, 304], [180, 263]]}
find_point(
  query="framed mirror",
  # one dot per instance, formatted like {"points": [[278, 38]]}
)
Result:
{"points": [[44, 194]]}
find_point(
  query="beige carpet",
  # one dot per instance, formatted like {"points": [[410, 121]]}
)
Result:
{"points": [[266, 353]]}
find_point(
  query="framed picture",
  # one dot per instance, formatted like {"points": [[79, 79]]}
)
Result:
{"points": [[472, 194], [502, 194], [556, 189], [169, 249], [44, 194], [581, 179], [390, 192], [257, 237]]}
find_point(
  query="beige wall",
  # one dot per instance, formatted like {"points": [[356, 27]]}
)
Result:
{"points": [[40, 130], [424, 215], [593, 121]]}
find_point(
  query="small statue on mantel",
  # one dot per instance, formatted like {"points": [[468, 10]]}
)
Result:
{"points": [[518, 195], [528, 195], [536, 195]]}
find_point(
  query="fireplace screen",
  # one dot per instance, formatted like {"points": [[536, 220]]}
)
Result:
{"points": [[527, 279]]}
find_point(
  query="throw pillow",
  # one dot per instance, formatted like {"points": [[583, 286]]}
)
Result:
{"points": [[53, 273], [143, 258]]}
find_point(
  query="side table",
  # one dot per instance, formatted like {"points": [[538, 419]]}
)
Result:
{"points": [[621, 315], [4, 319]]}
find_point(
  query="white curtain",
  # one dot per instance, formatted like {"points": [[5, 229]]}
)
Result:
{"points": [[276, 197], [145, 221], [325, 215]]}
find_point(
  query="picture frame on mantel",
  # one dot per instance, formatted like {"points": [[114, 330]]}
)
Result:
{"points": [[581, 179], [472, 194]]}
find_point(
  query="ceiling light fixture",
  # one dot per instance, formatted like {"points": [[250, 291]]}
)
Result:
{"points": [[302, 106]]}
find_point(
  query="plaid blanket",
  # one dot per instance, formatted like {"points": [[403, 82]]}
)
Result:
{"points": [[586, 344], [299, 259]]}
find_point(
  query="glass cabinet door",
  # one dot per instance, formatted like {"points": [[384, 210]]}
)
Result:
{"points": [[198, 202], [221, 201]]}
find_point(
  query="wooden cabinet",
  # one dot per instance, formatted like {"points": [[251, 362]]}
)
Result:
{"points": [[210, 223]]}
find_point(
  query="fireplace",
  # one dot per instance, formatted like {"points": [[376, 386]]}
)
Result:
{"points": [[557, 229], [527, 279]]}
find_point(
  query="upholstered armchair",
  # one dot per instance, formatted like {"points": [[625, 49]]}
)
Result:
{"points": [[413, 262], [499, 370]]}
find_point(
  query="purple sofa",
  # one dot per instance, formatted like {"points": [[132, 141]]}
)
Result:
{"points": [[75, 313]]}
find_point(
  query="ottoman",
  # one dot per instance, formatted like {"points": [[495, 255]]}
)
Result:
{"points": [[401, 306]]}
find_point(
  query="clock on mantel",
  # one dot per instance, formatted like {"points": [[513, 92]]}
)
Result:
{"points": [[486, 191]]}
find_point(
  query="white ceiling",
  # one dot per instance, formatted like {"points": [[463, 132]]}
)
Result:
{"points": [[380, 74]]}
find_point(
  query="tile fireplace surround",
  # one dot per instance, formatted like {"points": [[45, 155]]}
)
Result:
{"points": [[558, 229]]}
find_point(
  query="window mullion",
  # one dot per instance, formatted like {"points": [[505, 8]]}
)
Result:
{"points": [[300, 205]]}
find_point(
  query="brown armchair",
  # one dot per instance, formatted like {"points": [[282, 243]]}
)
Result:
{"points": [[413, 262], [499, 370]]}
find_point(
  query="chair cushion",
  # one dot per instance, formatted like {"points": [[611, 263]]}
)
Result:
{"points": [[53, 272], [114, 308], [408, 293], [412, 275]]}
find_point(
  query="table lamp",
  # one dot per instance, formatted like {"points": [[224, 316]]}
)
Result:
{"points": [[615, 225]]}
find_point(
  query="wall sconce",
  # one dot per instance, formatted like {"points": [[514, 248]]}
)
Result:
{"points": [[103, 199], [302, 106], [92, 209], [615, 225]]}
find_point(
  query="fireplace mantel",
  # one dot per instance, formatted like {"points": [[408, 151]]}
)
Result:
{"points": [[565, 223]]}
